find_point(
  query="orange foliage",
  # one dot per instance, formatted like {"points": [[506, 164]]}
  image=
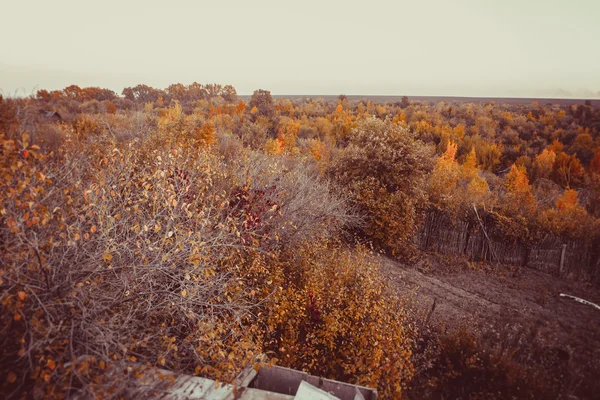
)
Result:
{"points": [[335, 321], [595, 163], [567, 170], [568, 201], [544, 163], [206, 135], [111, 108], [520, 199]]}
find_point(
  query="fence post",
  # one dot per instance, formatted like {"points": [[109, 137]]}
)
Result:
{"points": [[562, 259]]}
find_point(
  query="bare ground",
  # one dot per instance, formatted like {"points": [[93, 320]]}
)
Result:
{"points": [[517, 310]]}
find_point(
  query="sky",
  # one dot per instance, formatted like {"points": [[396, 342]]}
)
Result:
{"points": [[489, 48]]}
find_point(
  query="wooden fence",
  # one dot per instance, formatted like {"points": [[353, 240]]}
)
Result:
{"points": [[482, 241]]}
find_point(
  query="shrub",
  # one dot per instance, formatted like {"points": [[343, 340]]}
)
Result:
{"points": [[384, 168], [456, 365], [142, 252], [335, 319]]}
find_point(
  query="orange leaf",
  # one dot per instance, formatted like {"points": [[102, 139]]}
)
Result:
{"points": [[22, 296], [93, 229], [17, 317], [51, 364], [11, 377]]}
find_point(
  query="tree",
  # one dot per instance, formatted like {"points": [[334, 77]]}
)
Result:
{"points": [[143, 94], [583, 147], [73, 92], [519, 197], [595, 163], [567, 170], [445, 177], [404, 103], [196, 92], [43, 95], [96, 93], [385, 167], [111, 108], [178, 92], [229, 94], [543, 163], [262, 100]]}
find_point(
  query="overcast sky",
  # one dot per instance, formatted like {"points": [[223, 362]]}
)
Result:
{"points": [[521, 48]]}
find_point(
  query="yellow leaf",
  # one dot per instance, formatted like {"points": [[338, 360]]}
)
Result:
{"points": [[184, 292], [107, 257], [174, 202], [22, 296]]}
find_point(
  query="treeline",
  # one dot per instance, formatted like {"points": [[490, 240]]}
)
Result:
{"points": [[536, 166]]}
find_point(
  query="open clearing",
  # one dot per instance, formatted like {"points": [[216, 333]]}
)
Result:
{"points": [[517, 310]]}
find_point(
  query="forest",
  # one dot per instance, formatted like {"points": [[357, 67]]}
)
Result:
{"points": [[193, 229]]}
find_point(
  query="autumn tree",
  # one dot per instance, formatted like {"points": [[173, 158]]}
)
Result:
{"points": [[262, 100], [96, 93], [519, 198], [455, 188], [229, 94], [543, 164], [583, 147], [570, 219], [177, 92], [595, 163], [445, 177], [143, 93], [404, 103], [74, 92], [384, 167], [567, 170]]}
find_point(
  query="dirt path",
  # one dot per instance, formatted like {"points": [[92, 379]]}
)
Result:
{"points": [[521, 310]]}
